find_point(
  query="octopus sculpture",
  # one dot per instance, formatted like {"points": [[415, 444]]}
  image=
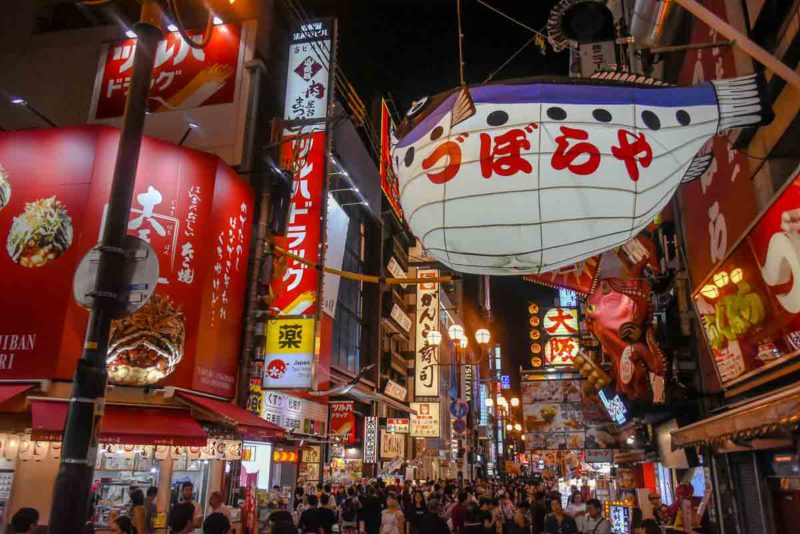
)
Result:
{"points": [[619, 315]]}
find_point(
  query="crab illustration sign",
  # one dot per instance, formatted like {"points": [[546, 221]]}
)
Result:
{"points": [[528, 177]]}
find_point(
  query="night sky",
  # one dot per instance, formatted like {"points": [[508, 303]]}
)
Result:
{"points": [[409, 49]]}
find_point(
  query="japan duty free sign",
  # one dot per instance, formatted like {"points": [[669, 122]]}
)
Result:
{"points": [[183, 77]]}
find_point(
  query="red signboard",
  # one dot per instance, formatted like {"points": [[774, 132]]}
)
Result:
{"points": [[717, 207], [343, 421], [389, 183], [580, 277], [750, 304], [297, 289], [183, 77], [191, 207]]}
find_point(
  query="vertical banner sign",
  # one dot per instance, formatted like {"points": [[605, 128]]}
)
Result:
{"points": [[467, 383], [308, 76], [183, 77], [289, 353], [716, 208], [370, 440], [336, 225], [343, 421], [389, 182], [426, 365]]}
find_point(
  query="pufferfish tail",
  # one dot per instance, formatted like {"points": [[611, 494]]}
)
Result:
{"points": [[742, 102]]}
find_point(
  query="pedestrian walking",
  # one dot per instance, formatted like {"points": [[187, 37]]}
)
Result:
{"points": [[392, 519]]}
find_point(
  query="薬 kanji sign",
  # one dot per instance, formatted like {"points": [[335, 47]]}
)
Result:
{"points": [[289, 353], [183, 77]]}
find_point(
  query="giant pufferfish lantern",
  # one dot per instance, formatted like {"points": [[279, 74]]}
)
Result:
{"points": [[526, 177]]}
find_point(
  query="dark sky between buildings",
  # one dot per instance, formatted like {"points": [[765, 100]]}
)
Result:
{"points": [[409, 49]]}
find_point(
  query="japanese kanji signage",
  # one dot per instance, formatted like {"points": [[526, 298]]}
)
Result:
{"points": [[535, 336], [543, 175], [307, 76], [561, 322], [371, 440], [289, 353], [426, 423], [298, 287], [749, 304], [183, 77], [294, 413], [427, 358], [393, 446], [561, 350], [195, 212], [717, 208], [395, 390], [397, 425], [343, 421], [389, 183]]}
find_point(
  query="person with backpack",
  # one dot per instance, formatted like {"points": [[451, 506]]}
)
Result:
{"points": [[348, 513], [593, 521]]}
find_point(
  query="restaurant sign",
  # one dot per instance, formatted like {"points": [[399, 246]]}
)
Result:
{"points": [[397, 425], [750, 303], [395, 390], [426, 366], [425, 424], [370, 440]]}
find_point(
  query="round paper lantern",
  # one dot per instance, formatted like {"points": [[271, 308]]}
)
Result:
{"points": [[527, 177]]}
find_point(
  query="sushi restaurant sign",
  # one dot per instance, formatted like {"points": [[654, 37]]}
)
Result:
{"points": [[750, 303], [194, 211]]}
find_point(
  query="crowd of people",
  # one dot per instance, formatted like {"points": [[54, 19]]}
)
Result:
{"points": [[483, 507]]}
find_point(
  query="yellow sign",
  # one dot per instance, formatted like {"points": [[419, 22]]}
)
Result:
{"points": [[290, 336]]}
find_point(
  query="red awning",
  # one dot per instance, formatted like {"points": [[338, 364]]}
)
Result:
{"points": [[124, 424], [9, 391], [246, 423]]}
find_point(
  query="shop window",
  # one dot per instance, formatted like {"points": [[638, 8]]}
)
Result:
{"points": [[349, 323]]}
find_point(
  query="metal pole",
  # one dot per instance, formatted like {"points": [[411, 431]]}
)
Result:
{"points": [[748, 46], [70, 506]]}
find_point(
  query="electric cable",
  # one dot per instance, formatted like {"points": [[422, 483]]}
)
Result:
{"points": [[207, 33]]}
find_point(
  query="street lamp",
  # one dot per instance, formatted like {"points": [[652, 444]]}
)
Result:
{"points": [[463, 342], [434, 338], [514, 402], [456, 332], [482, 336], [489, 402], [517, 427], [509, 427]]}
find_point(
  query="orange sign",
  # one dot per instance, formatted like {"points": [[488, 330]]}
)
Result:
{"points": [[284, 456]]}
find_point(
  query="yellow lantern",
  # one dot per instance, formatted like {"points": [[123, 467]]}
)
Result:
{"points": [[721, 279], [710, 291]]}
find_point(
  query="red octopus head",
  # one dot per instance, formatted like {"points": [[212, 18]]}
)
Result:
{"points": [[620, 307]]}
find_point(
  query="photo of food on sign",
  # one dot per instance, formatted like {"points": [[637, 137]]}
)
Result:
{"points": [[555, 417], [551, 390], [40, 234]]}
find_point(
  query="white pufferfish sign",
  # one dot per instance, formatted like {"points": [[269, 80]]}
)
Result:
{"points": [[527, 177]]}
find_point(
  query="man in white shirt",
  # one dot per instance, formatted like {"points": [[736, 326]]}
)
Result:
{"points": [[187, 493], [593, 521]]}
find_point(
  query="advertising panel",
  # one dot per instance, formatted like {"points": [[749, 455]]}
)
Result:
{"points": [[393, 446], [389, 183], [426, 366], [343, 421], [294, 413], [749, 304], [397, 271], [289, 354], [297, 288], [717, 207], [370, 440], [397, 425], [426, 423], [561, 350], [183, 77], [561, 321], [188, 333], [336, 224], [307, 75], [395, 390]]}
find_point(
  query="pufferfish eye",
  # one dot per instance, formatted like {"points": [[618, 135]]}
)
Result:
{"points": [[416, 106]]}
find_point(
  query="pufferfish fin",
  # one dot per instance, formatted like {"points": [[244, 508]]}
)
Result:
{"points": [[697, 167], [627, 77], [742, 101], [463, 107]]}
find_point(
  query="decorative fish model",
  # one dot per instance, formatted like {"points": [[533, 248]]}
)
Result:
{"points": [[528, 177]]}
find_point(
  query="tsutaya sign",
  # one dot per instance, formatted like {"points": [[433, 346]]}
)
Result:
{"points": [[426, 369], [532, 177]]}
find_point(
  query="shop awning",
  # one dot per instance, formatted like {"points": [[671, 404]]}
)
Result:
{"points": [[776, 411], [9, 391], [246, 423], [123, 424]]}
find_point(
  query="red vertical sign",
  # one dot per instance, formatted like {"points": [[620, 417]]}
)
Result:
{"points": [[389, 183], [718, 206]]}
